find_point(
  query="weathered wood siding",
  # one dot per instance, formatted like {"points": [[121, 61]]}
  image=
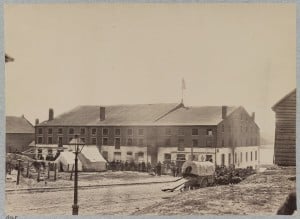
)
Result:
{"points": [[285, 131]]}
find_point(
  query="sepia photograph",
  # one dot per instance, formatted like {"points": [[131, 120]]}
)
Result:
{"points": [[157, 109]]}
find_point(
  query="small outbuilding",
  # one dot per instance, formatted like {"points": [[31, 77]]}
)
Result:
{"points": [[285, 130]]}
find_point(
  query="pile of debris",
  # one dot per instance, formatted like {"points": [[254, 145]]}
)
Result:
{"points": [[231, 175]]}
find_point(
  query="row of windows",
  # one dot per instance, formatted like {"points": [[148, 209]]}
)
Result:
{"points": [[242, 129], [105, 131], [117, 131], [195, 142], [247, 158]]}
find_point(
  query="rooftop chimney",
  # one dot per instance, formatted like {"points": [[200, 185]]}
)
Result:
{"points": [[253, 116], [102, 113], [37, 121], [224, 112], [51, 114]]}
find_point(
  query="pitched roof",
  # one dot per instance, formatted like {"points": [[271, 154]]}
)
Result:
{"points": [[137, 114], [16, 124], [140, 114], [293, 92], [198, 115]]}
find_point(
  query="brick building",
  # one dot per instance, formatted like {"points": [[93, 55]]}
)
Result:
{"points": [[158, 132], [285, 130], [19, 134]]}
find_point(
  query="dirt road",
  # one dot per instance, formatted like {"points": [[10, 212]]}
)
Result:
{"points": [[115, 200]]}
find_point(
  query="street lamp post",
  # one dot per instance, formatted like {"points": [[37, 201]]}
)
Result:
{"points": [[19, 171], [76, 142]]}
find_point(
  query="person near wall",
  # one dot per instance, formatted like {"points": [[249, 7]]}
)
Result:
{"points": [[158, 169]]}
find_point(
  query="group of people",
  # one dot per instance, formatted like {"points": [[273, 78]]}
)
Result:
{"points": [[158, 169]]}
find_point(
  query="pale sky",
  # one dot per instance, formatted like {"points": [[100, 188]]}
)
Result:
{"points": [[102, 54]]}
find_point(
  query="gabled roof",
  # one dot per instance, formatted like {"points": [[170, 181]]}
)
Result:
{"points": [[137, 114], [16, 124], [293, 92], [140, 114], [196, 115]]}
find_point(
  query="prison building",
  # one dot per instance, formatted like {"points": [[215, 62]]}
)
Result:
{"points": [[285, 130], [158, 132], [19, 134]]}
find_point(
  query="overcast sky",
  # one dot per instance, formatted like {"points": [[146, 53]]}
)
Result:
{"points": [[76, 54]]}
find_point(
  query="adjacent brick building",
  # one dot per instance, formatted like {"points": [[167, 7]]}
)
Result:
{"points": [[157, 132], [19, 134], [285, 130]]}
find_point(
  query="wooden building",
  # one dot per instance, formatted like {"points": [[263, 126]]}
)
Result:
{"points": [[158, 132], [19, 134], [285, 130]]}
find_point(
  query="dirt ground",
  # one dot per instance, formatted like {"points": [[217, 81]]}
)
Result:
{"points": [[87, 179], [259, 194]]}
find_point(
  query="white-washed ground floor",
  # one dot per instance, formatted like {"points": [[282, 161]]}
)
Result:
{"points": [[241, 157]]}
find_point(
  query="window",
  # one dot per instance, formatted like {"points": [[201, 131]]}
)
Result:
{"points": [[241, 128], [255, 155], [129, 141], [223, 127], [251, 156], [94, 131], [180, 144], [134, 142], [141, 142], [71, 131], [194, 131], [167, 157], [168, 131], [82, 131], [141, 132], [104, 141], [117, 131], [180, 156], [129, 153], [209, 157], [60, 131], [49, 140], [129, 132], [209, 132], [40, 140], [229, 158], [94, 141], [208, 142], [241, 157], [195, 143], [60, 139], [222, 159], [49, 131], [117, 143], [40, 131], [105, 131], [235, 157], [168, 142], [180, 131], [82, 139], [223, 143], [246, 156], [117, 155]]}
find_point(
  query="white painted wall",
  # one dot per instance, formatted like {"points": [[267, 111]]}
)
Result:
{"points": [[123, 150], [200, 154]]}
